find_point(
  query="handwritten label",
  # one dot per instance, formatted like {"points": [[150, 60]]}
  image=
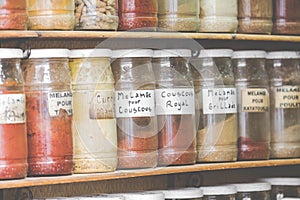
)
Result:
{"points": [[175, 101], [12, 108], [102, 105], [58, 101], [135, 103], [219, 100], [287, 97], [255, 100]]}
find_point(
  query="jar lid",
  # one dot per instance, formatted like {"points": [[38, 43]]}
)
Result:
{"points": [[252, 187], [183, 193], [103, 196], [90, 53], [11, 53], [49, 53], [283, 55], [215, 53], [172, 53], [144, 196], [249, 54], [282, 181], [132, 53], [287, 198], [219, 190]]}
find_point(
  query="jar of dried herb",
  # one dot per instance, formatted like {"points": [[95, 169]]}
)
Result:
{"points": [[175, 107], [250, 191], [49, 109], [223, 192], [135, 108], [13, 14], [50, 15], [183, 193], [251, 81], [216, 106], [94, 123], [181, 15]]}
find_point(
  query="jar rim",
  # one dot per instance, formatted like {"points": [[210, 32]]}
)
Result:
{"points": [[219, 190], [252, 187], [49, 53], [132, 53], [183, 193], [90, 53], [289, 181], [249, 54], [11, 53], [172, 53], [283, 55], [215, 53]]}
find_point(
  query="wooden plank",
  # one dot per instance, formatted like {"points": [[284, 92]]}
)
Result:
{"points": [[17, 34]]}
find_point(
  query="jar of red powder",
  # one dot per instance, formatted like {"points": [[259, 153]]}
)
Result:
{"points": [[13, 148], [13, 14], [49, 112]]}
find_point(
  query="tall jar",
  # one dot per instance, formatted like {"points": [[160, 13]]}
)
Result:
{"points": [[138, 14], [218, 16], [223, 192], [49, 110], [13, 146], [13, 14], [216, 106], [94, 123], [183, 194], [175, 108], [179, 15], [284, 76], [255, 191], [135, 108], [50, 15], [96, 15], [255, 16], [286, 17], [253, 105]]}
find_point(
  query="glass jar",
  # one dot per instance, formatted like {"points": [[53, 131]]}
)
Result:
{"points": [[50, 15], [223, 192], [179, 15], [255, 191], [284, 76], [13, 147], [96, 15], [138, 14], [175, 107], [253, 105], [218, 16], [183, 193], [13, 14], [135, 108], [216, 106], [283, 187], [49, 112], [144, 196], [286, 17], [94, 123], [255, 16]]}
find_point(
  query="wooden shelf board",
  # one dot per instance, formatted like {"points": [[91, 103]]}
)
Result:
{"points": [[122, 174]]}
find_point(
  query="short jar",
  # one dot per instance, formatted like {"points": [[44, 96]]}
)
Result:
{"points": [[13, 15], [255, 16], [255, 191], [135, 108], [223, 192], [252, 85], [181, 15], [50, 15], [49, 110], [183, 193], [284, 78], [218, 16], [94, 123]]}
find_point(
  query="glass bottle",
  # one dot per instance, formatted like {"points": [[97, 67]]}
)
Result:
{"points": [[13, 15], [222, 192], [255, 191]]}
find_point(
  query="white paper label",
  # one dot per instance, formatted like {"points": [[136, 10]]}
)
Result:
{"points": [[12, 108], [287, 97], [255, 100], [58, 101], [134, 103], [175, 101], [102, 105], [219, 100]]}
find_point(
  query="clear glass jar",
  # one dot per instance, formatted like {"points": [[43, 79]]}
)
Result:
{"points": [[96, 15], [183, 193], [94, 123], [13, 146], [216, 106], [13, 14], [49, 110], [284, 75], [253, 105], [223, 192], [138, 14], [180, 15], [255, 16], [175, 108], [144, 196], [50, 15], [218, 16], [255, 191], [286, 17], [135, 108], [283, 187]]}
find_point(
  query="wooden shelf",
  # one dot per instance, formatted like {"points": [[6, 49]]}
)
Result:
{"points": [[122, 174]]}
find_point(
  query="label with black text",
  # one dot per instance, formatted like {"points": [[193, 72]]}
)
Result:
{"points": [[287, 97], [12, 109], [60, 101], [255, 100], [102, 105]]}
